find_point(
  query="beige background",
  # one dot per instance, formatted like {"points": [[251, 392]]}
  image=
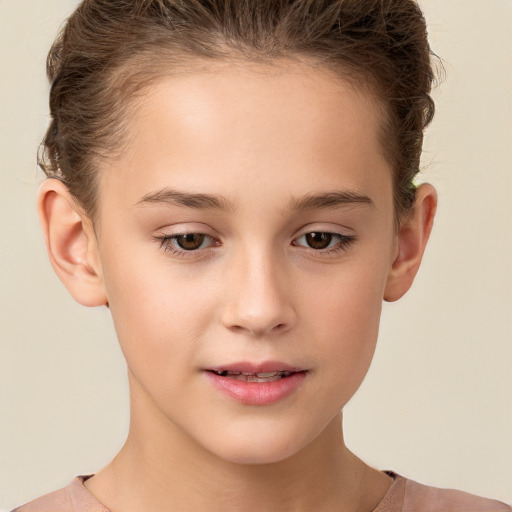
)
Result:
{"points": [[437, 404]]}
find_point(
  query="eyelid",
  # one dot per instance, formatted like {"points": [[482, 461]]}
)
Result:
{"points": [[184, 228], [345, 237], [166, 237], [342, 243], [325, 227]]}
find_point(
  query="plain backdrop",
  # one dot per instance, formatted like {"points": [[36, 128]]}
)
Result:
{"points": [[437, 403]]}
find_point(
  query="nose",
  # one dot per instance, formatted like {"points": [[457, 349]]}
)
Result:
{"points": [[258, 297]]}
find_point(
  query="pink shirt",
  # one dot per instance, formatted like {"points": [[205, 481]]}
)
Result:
{"points": [[404, 495]]}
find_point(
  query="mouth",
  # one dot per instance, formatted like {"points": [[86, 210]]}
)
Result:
{"points": [[254, 376], [257, 384]]}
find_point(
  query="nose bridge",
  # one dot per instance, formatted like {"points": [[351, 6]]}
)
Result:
{"points": [[259, 300]]}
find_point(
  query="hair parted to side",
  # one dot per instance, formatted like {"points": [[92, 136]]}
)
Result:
{"points": [[109, 50]]}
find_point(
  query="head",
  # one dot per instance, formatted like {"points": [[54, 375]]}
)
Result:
{"points": [[235, 179], [109, 52]]}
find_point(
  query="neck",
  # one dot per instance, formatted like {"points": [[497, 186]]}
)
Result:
{"points": [[163, 469]]}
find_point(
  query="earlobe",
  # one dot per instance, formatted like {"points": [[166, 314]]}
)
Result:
{"points": [[71, 243], [412, 239]]}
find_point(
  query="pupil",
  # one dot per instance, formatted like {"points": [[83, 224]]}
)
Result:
{"points": [[318, 240], [191, 241]]}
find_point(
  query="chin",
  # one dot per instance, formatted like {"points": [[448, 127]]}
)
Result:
{"points": [[258, 458], [258, 449]]}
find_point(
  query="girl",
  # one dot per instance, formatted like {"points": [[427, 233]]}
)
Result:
{"points": [[234, 181]]}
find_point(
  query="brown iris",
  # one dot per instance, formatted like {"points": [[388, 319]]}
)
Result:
{"points": [[319, 240], [190, 241]]}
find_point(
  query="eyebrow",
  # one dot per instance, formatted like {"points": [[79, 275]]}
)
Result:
{"points": [[334, 199], [330, 200], [189, 200]]}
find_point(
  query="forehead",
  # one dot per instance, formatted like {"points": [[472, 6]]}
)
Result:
{"points": [[226, 125]]}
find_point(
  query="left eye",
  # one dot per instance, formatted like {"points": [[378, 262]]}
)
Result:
{"points": [[319, 240]]}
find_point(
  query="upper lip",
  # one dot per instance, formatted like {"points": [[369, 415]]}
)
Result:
{"points": [[250, 368]]}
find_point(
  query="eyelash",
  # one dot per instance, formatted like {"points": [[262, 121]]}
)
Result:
{"points": [[343, 242], [167, 243]]}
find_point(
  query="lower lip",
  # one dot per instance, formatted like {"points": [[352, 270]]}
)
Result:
{"points": [[257, 393]]}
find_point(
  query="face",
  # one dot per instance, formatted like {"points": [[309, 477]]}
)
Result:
{"points": [[245, 240]]}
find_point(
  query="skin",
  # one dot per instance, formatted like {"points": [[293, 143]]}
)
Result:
{"points": [[264, 139]]}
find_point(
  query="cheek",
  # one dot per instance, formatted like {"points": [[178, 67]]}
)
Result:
{"points": [[352, 330], [349, 300], [344, 318], [159, 315]]}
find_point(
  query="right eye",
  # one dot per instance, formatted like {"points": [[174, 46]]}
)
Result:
{"points": [[186, 242]]}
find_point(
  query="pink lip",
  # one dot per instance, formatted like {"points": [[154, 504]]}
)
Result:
{"points": [[257, 393], [265, 367]]}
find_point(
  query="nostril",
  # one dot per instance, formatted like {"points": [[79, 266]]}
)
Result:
{"points": [[255, 331]]}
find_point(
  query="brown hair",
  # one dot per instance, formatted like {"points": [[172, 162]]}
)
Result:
{"points": [[111, 49]]}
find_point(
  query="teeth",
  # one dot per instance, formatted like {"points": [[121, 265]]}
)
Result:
{"points": [[254, 377], [271, 375], [267, 375]]}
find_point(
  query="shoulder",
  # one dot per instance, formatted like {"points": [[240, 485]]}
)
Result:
{"points": [[416, 497], [73, 498], [57, 501]]}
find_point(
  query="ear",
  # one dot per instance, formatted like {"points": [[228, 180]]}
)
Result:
{"points": [[412, 238], [71, 243]]}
